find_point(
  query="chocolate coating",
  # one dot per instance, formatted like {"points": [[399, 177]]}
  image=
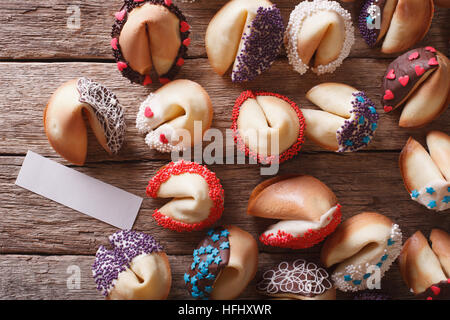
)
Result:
{"points": [[438, 291]]}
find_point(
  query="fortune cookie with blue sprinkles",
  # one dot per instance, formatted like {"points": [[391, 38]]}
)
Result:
{"points": [[135, 268], [347, 121], [425, 270], [245, 34], [223, 264], [426, 176], [363, 249]]}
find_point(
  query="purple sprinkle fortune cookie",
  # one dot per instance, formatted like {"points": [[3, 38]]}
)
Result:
{"points": [[370, 20], [357, 132], [126, 245], [262, 43]]}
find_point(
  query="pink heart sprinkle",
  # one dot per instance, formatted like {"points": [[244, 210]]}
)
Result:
{"points": [[164, 80], [387, 108], [114, 42], [180, 62], [430, 49], [148, 112], [433, 62], [147, 81], [184, 26], [168, 2], [436, 290], [429, 298], [419, 70], [413, 56], [388, 95], [404, 80], [163, 138], [187, 42], [121, 65], [391, 75], [121, 14]]}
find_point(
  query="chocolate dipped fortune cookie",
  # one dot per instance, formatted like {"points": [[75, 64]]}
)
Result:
{"points": [[169, 116], [147, 35], [395, 24], [244, 34], [197, 196], [64, 122], [223, 264], [320, 34], [419, 79], [426, 176], [362, 248], [307, 208], [347, 121], [136, 268], [427, 270], [267, 126], [297, 279]]}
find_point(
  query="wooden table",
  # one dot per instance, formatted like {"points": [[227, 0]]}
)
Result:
{"points": [[40, 239]]}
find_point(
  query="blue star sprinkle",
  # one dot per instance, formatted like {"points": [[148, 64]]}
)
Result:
{"points": [[366, 139], [446, 199], [193, 265], [225, 245], [210, 276], [361, 99], [196, 259], [215, 252], [432, 204], [217, 260], [202, 264], [201, 250], [374, 126], [224, 233], [215, 237], [415, 194], [209, 249], [430, 190], [193, 281], [186, 278], [204, 270], [208, 289], [372, 110], [209, 259], [210, 232], [199, 276], [195, 252]]}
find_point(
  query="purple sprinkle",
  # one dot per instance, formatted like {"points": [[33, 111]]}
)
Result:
{"points": [[370, 36]]}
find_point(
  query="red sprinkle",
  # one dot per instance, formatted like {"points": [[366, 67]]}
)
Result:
{"points": [[184, 26], [148, 112], [147, 80], [286, 155], [429, 298], [413, 56], [404, 80], [216, 194], [430, 49], [419, 70], [387, 108], [114, 42], [120, 15], [391, 75], [180, 62], [436, 290], [433, 62], [187, 42], [168, 2], [121, 65], [163, 139], [164, 80], [309, 239], [388, 95]]}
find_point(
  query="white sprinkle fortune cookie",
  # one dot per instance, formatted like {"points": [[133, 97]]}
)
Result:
{"points": [[347, 121], [65, 126], [169, 115], [427, 175], [320, 34], [245, 34]]}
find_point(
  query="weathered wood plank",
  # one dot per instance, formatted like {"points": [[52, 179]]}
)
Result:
{"points": [[47, 277], [21, 125], [33, 224], [38, 29]]}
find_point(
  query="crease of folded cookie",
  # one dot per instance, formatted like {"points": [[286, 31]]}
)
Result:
{"points": [[363, 245], [319, 34], [421, 268], [297, 279], [425, 174], [395, 24], [171, 115], [149, 35], [267, 126], [224, 263], [135, 268], [196, 196], [244, 35], [347, 120], [307, 208], [420, 80], [65, 126]]}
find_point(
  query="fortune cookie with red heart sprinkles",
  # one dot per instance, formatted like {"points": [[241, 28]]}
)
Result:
{"points": [[420, 80], [425, 270], [149, 35]]}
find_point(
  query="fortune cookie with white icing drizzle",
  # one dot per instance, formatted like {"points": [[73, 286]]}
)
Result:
{"points": [[244, 34], [426, 176], [135, 268], [223, 264], [149, 35], [320, 33], [169, 115], [427, 270], [347, 121], [64, 124]]}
